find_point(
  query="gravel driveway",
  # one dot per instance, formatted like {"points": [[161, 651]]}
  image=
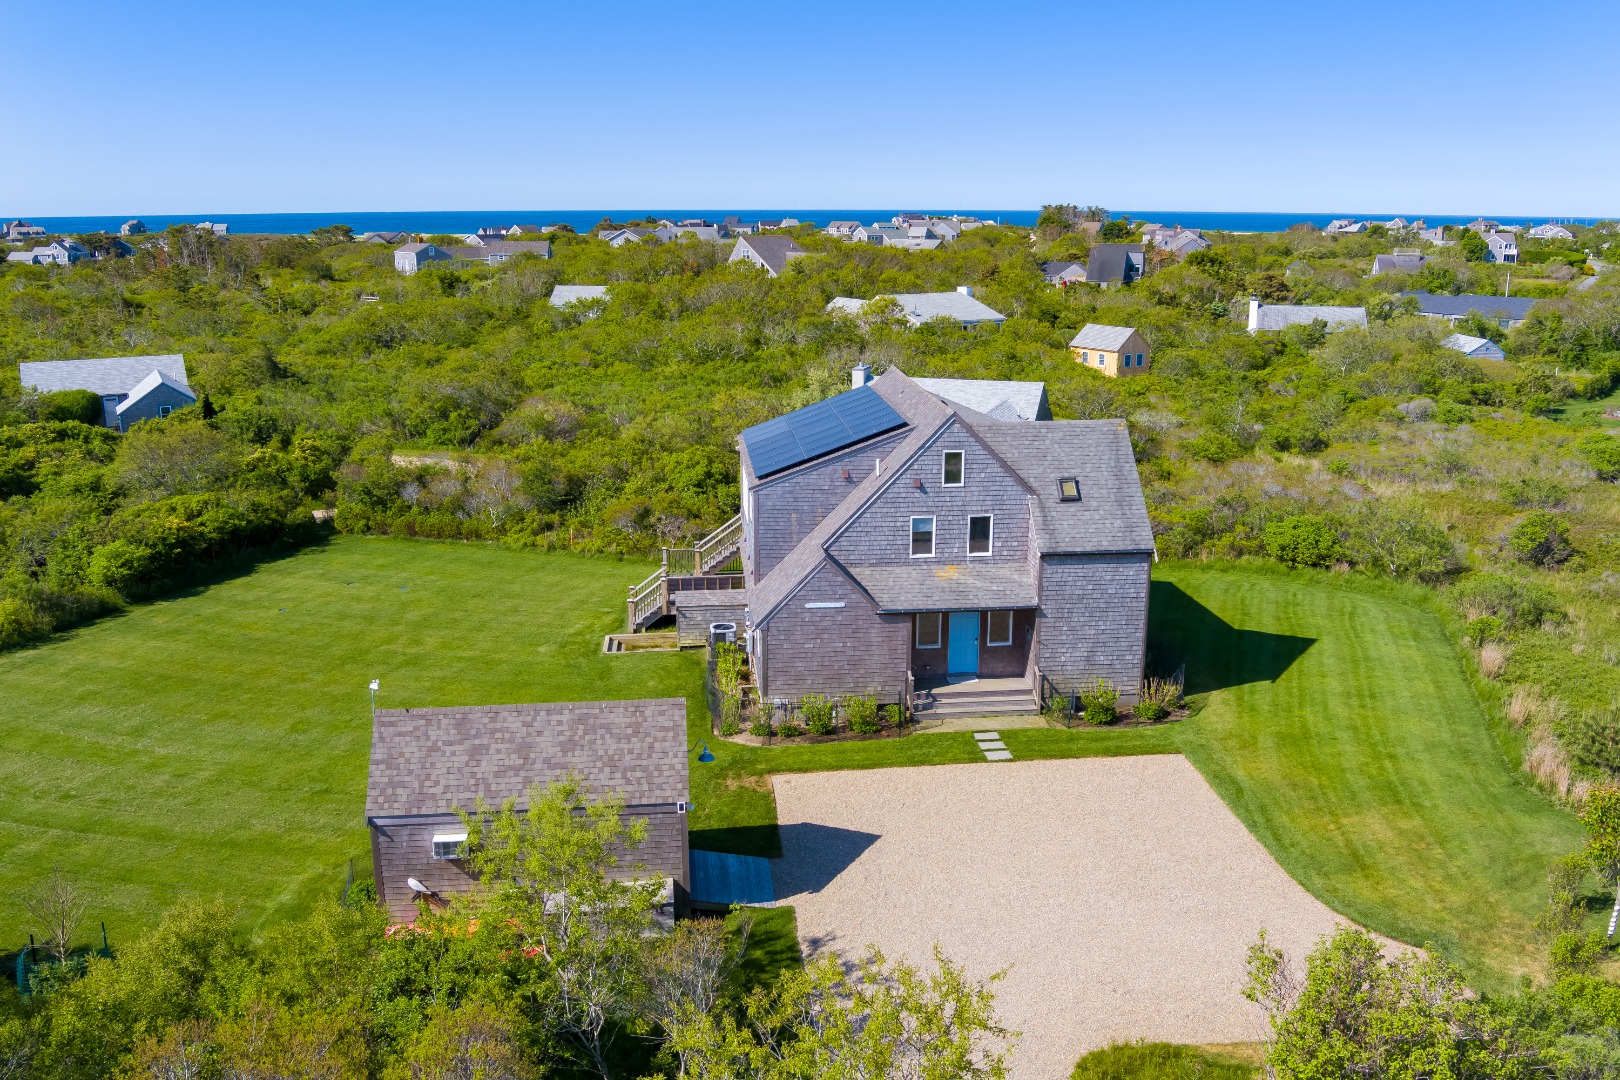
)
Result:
{"points": [[1121, 892]]}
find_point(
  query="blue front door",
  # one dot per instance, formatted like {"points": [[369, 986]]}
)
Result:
{"points": [[963, 655]]}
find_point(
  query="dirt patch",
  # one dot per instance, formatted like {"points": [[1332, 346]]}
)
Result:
{"points": [[1121, 893]]}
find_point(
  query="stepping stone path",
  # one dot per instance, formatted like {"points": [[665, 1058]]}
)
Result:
{"points": [[994, 749]]}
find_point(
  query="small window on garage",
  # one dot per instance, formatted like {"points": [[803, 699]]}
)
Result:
{"points": [[1000, 628], [979, 530], [1069, 490], [928, 629], [165, 410], [448, 845]]}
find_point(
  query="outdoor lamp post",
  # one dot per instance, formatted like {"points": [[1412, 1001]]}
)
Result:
{"points": [[375, 686]]}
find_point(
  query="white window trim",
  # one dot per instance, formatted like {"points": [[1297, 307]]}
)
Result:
{"points": [[939, 630], [946, 483], [991, 550], [447, 838], [933, 534], [989, 629]]}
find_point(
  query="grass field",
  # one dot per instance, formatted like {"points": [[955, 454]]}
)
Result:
{"points": [[216, 742]]}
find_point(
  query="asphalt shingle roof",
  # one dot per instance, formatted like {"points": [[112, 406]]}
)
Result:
{"points": [[997, 398], [918, 308], [1108, 261], [152, 381], [1514, 308], [962, 585], [1098, 336], [773, 251], [429, 761], [108, 375], [567, 294], [1279, 316]]}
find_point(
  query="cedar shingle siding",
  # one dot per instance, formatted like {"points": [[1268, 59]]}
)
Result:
{"points": [[1093, 621], [835, 651]]}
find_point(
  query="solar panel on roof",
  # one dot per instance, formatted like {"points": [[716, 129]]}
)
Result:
{"points": [[819, 429]]}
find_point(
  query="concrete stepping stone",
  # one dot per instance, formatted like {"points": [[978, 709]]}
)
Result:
{"points": [[983, 735], [997, 745], [998, 755]]}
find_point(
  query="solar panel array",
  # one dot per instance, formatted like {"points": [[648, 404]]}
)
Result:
{"points": [[818, 429]]}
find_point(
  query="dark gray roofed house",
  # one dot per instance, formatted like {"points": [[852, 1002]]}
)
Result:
{"points": [[1401, 262], [427, 762], [1115, 264], [385, 237], [132, 227], [116, 379], [1506, 311], [772, 253], [525, 230], [905, 542], [1063, 272], [495, 252], [409, 258]]}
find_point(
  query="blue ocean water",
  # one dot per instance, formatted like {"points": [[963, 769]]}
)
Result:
{"points": [[464, 221]]}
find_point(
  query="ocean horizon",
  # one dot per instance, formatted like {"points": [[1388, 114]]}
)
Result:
{"points": [[465, 221]]}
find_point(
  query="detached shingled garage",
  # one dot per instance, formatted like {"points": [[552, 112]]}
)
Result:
{"points": [[427, 762], [1120, 894]]}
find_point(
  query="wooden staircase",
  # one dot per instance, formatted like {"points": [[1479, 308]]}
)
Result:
{"points": [[715, 562], [980, 697]]}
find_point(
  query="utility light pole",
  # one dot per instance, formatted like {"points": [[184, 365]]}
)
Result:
{"points": [[375, 686]]}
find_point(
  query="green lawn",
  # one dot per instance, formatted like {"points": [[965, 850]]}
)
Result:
{"points": [[216, 743]]}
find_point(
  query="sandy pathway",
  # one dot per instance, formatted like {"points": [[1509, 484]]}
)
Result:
{"points": [[1121, 892]]}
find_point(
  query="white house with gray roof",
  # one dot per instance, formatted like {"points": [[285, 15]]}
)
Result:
{"points": [[917, 308], [563, 295], [131, 388], [1476, 348], [769, 253]]}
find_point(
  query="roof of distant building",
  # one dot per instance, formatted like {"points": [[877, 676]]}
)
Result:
{"points": [[106, 375], [1099, 336], [1514, 308], [773, 251], [1107, 262], [998, 399], [1280, 316], [152, 381], [1467, 343], [563, 295], [918, 308]]}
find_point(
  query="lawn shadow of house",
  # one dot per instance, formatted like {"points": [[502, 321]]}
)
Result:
{"points": [[1217, 654]]}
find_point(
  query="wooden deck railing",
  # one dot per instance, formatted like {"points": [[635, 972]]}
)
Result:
{"points": [[717, 554]]}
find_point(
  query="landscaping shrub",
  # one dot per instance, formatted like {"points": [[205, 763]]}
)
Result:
{"points": [[1451, 412], [861, 714], [1159, 697], [730, 725], [789, 730], [817, 714], [1158, 1061], [1577, 954], [21, 622], [1214, 447], [890, 716], [1534, 493], [1059, 710], [1303, 540], [762, 728], [1517, 602], [1541, 539], [1602, 452], [1099, 703]]}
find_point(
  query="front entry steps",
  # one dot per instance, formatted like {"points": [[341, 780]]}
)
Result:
{"points": [[976, 697]]}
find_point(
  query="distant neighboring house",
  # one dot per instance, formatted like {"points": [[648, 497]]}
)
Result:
{"points": [[1060, 272], [1483, 225], [878, 233], [915, 243], [683, 231], [1297, 268], [1506, 311], [1174, 239], [995, 398], [1344, 226], [409, 258], [1550, 231], [525, 230], [495, 252], [131, 388], [621, 237], [1436, 236], [1476, 347], [60, 252], [1115, 264], [1501, 247], [1401, 262], [917, 308], [772, 253], [218, 228], [488, 236], [132, 227], [738, 227], [22, 230], [920, 232], [1111, 350], [1396, 224], [385, 237], [563, 295], [428, 763], [1282, 316], [845, 229], [945, 229]]}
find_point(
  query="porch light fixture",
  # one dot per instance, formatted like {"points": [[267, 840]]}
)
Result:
{"points": [[705, 756]]}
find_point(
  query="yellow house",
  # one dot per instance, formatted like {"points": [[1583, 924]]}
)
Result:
{"points": [[1111, 350]]}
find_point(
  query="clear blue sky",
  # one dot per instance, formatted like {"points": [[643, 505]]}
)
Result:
{"points": [[169, 106]]}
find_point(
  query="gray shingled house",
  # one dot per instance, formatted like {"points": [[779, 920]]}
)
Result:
{"points": [[131, 388], [922, 540], [427, 762]]}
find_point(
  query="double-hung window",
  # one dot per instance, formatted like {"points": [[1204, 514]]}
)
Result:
{"points": [[928, 629], [979, 534], [951, 470], [1000, 628], [922, 537]]}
